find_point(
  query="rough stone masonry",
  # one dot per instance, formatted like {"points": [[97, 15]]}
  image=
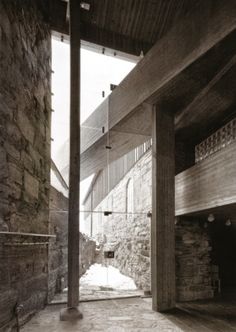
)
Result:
{"points": [[58, 250], [30, 273], [25, 113]]}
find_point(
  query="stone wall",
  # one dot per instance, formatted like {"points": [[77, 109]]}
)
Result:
{"points": [[57, 279], [129, 237], [58, 253], [87, 255], [128, 234], [193, 260], [25, 113]]}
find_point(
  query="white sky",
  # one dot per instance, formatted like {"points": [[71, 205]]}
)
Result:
{"points": [[97, 72]]}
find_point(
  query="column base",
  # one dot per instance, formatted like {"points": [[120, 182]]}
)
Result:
{"points": [[70, 314], [147, 293]]}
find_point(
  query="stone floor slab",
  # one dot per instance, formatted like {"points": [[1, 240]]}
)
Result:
{"points": [[134, 315]]}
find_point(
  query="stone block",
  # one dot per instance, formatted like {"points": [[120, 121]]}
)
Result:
{"points": [[27, 161], [14, 191], [145, 253], [31, 185], [3, 163], [18, 222], [15, 174], [14, 133], [26, 127], [15, 273], [40, 144], [3, 227], [12, 150], [4, 191], [8, 300]]}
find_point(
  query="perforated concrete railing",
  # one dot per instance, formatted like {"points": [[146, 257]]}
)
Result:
{"points": [[217, 141]]}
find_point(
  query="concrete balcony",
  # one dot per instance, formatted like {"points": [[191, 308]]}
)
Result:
{"points": [[209, 184]]}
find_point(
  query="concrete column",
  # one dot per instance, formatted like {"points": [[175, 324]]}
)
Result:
{"points": [[72, 312], [163, 211]]}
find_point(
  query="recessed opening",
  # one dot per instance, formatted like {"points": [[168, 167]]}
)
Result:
{"points": [[223, 236]]}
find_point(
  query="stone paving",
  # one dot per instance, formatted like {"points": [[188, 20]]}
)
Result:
{"points": [[111, 315], [136, 315]]}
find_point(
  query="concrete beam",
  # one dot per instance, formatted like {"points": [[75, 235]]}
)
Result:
{"points": [[187, 111], [214, 104], [186, 42], [167, 70], [163, 211], [98, 156]]}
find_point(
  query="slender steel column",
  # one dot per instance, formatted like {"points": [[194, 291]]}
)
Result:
{"points": [[72, 311]]}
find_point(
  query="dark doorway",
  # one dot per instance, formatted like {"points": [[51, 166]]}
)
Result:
{"points": [[223, 236]]}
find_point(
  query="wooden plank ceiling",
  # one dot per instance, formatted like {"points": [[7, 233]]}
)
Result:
{"points": [[130, 26]]}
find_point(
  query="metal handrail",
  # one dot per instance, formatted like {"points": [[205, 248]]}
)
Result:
{"points": [[27, 234]]}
